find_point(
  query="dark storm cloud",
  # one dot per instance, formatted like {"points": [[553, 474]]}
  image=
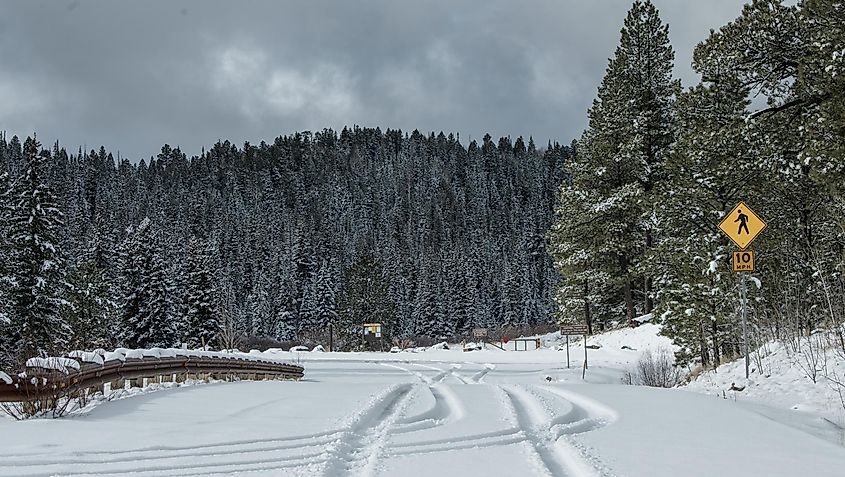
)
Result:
{"points": [[135, 75]]}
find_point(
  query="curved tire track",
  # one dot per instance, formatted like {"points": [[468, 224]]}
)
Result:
{"points": [[559, 456], [357, 450]]}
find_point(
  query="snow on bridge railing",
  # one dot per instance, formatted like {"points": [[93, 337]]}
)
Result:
{"points": [[81, 372]]}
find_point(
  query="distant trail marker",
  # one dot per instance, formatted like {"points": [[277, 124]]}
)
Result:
{"points": [[742, 226]]}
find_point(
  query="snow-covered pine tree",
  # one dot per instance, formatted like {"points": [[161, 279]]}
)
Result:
{"points": [[202, 321], [620, 161], [6, 257], [36, 327], [92, 309], [148, 310], [790, 54], [325, 308]]}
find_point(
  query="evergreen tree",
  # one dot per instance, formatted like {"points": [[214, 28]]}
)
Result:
{"points": [[325, 306], [148, 310], [708, 171], [36, 327], [202, 320], [606, 212], [92, 309]]}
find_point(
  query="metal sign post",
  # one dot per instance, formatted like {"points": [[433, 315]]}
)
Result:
{"points": [[742, 226], [745, 324], [575, 329], [567, 351], [584, 371]]}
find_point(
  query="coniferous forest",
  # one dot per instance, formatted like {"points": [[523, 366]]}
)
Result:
{"points": [[433, 235], [422, 233]]}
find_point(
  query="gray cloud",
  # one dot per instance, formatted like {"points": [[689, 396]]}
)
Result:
{"points": [[134, 75]]}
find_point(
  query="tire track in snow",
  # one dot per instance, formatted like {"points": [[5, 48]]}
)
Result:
{"points": [[357, 451], [558, 458], [447, 406], [205, 467], [586, 415], [477, 377], [204, 447], [257, 454], [144, 461]]}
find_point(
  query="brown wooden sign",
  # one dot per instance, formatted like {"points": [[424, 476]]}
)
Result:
{"points": [[573, 329]]}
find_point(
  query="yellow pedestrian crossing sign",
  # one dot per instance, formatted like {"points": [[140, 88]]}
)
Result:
{"points": [[742, 225]]}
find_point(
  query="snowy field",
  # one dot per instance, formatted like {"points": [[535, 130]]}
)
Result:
{"points": [[438, 412]]}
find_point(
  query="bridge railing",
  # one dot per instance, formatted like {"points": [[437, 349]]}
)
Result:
{"points": [[47, 379]]}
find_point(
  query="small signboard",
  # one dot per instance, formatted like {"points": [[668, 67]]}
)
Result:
{"points": [[373, 336], [479, 332], [573, 329], [372, 329], [742, 225], [743, 261]]}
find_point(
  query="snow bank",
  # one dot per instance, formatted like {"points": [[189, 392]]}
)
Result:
{"points": [[782, 376], [5, 378], [114, 356], [645, 336], [87, 357], [63, 365]]}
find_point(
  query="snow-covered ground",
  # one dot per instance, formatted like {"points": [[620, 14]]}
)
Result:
{"points": [[437, 412], [781, 377]]}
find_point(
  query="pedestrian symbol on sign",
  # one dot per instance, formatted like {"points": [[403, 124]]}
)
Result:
{"points": [[743, 222], [749, 225]]}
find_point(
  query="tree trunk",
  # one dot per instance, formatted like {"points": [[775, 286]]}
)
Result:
{"points": [[715, 338], [629, 299], [649, 284], [587, 317], [629, 303]]}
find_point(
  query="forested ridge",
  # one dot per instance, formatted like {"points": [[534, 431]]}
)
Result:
{"points": [[433, 237], [276, 240]]}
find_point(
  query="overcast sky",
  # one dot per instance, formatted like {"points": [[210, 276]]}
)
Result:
{"points": [[134, 75]]}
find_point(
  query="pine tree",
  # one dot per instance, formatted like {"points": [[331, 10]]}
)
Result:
{"points": [[203, 325], [148, 310], [92, 309], [606, 212], [325, 302], [6, 257], [36, 326]]}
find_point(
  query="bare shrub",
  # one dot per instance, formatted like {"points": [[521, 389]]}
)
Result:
{"points": [[656, 369], [48, 397]]}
